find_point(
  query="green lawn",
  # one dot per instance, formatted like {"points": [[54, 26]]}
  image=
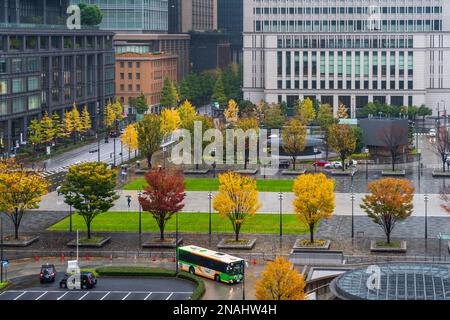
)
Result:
{"points": [[213, 185], [188, 222]]}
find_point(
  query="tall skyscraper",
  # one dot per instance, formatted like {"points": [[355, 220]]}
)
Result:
{"points": [[192, 15], [347, 52], [137, 16], [230, 19]]}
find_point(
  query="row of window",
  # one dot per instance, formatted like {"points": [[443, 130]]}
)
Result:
{"points": [[19, 65], [19, 85], [130, 87], [130, 64], [347, 42], [345, 85], [130, 76], [20, 104], [347, 25]]}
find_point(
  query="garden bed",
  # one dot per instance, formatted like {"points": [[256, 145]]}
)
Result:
{"points": [[393, 247], [293, 172], [251, 172], [302, 244], [396, 173], [23, 241], [243, 244], [158, 243], [95, 242], [338, 172], [193, 172], [440, 174]]}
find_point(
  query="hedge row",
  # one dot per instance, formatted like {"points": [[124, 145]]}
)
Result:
{"points": [[154, 272]]}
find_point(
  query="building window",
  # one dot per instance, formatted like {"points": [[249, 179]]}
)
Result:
{"points": [[33, 83], [122, 76], [130, 76], [3, 87], [18, 105], [138, 64], [130, 87], [130, 64], [18, 86], [138, 76], [34, 102], [138, 87], [122, 64], [122, 87], [3, 108], [3, 66]]}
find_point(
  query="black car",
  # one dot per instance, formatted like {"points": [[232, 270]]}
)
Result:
{"points": [[88, 281], [48, 273]]}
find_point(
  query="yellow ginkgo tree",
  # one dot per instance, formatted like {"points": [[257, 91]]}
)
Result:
{"points": [[187, 114], [130, 139], [237, 199], [20, 190], [232, 112], [314, 200], [170, 121], [86, 123]]}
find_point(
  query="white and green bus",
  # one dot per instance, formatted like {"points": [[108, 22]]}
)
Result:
{"points": [[210, 264]]}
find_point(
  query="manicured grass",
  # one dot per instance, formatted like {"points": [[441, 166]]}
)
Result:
{"points": [[92, 240], [383, 244], [188, 222], [203, 184]]}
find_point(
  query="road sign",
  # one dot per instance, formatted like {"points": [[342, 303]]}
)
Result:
{"points": [[5, 263]]}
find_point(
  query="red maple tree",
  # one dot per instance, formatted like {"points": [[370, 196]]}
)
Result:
{"points": [[164, 195]]}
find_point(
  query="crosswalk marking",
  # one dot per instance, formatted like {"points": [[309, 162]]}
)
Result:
{"points": [[41, 295], [59, 298], [125, 298], [18, 297], [82, 297], [148, 295]]}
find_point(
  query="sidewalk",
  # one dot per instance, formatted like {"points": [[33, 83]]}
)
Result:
{"points": [[198, 202]]}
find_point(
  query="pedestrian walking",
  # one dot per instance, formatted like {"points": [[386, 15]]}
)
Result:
{"points": [[129, 201]]}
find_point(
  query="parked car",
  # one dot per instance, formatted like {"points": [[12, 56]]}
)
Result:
{"points": [[95, 150], [114, 134], [48, 273], [432, 133], [284, 164], [334, 165], [88, 281], [321, 163]]}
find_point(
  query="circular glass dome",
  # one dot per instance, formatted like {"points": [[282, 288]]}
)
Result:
{"points": [[394, 282]]}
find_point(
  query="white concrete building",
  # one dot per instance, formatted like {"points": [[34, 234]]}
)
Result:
{"points": [[348, 51]]}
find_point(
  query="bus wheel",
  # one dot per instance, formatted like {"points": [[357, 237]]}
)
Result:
{"points": [[191, 270], [217, 278]]}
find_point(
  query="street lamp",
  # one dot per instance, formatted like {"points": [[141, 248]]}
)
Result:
{"points": [[176, 242], [114, 152], [70, 214], [210, 196], [315, 159], [367, 151], [164, 155], [352, 197], [426, 198], [1, 249], [140, 218], [280, 197]]}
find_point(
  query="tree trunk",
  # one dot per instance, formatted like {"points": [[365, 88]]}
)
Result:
{"points": [[311, 232], [293, 158], [88, 226], [343, 163], [16, 224], [161, 232], [393, 162], [388, 236], [149, 160]]}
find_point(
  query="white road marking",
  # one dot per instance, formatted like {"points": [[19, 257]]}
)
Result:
{"points": [[41, 295], [148, 296], [125, 298], [18, 297], [170, 296], [62, 296], [105, 296], [82, 297]]}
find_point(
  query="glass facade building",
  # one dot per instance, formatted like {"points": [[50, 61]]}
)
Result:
{"points": [[132, 15], [349, 52]]}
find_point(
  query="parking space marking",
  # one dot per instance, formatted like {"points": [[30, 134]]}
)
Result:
{"points": [[148, 296], [170, 295], [59, 298], [125, 298], [105, 296], [41, 295], [84, 295], [17, 298]]}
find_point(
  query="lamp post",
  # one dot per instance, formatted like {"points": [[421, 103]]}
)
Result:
{"points": [[114, 165], [352, 197], [164, 155], [426, 198], [280, 197], [140, 218], [1, 249], [121, 151], [210, 196], [176, 243], [315, 159], [367, 151], [98, 146]]}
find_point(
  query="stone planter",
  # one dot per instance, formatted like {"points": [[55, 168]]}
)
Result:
{"points": [[292, 172], [97, 244], [21, 242], [440, 174], [398, 173], [230, 244], [206, 171], [299, 246], [377, 249], [250, 172], [156, 243], [338, 172]]}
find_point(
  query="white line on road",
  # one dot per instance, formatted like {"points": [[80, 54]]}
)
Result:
{"points": [[41, 295], [125, 298], [170, 296], [62, 296], [18, 297], [148, 296], [105, 296], [82, 297]]}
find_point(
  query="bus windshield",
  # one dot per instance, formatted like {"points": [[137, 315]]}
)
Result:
{"points": [[235, 268]]}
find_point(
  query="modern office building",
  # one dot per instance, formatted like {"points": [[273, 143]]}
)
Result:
{"points": [[192, 15], [209, 50], [347, 52], [177, 44], [136, 16], [230, 19], [33, 11], [144, 73], [48, 69]]}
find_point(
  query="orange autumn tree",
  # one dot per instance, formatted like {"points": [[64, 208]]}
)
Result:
{"points": [[314, 199], [237, 199], [390, 200], [280, 281]]}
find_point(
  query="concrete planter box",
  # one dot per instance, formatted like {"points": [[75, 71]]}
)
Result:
{"points": [[247, 172], [440, 174], [24, 242], [196, 171], [292, 172], [297, 246], [140, 172], [399, 173], [226, 244], [338, 172], [99, 244], [156, 243], [375, 248]]}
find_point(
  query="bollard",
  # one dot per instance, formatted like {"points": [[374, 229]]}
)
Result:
{"points": [[62, 257], [36, 258], [135, 258], [254, 262], [154, 259], [111, 257]]}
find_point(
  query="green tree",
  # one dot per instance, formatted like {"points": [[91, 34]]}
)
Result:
{"points": [[294, 138], [91, 15], [35, 134], [89, 188], [306, 112], [325, 119], [150, 136], [169, 96], [141, 104], [342, 139], [424, 111], [219, 92], [274, 117], [48, 129]]}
